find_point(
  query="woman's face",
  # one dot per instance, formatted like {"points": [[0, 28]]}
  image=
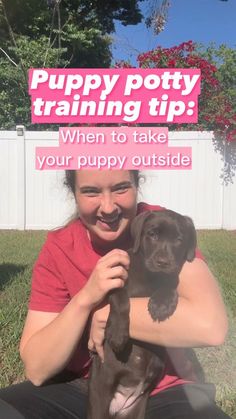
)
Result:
{"points": [[107, 202]]}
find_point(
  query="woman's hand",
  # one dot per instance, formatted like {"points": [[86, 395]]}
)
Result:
{"points": [[109, 273], [97, 330]]}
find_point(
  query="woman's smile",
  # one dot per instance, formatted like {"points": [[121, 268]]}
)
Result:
{"points": [[109, 223], [107, 204]]}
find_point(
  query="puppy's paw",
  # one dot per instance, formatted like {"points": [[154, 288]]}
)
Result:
{"points": [[117, 338], [162, 305]]}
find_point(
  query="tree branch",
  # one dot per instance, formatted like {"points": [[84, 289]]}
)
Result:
{"points": [[13, 40], [9, 58]]}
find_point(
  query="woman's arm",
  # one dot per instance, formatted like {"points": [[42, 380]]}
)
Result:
{"points": [[50, 339], [199, 320]]}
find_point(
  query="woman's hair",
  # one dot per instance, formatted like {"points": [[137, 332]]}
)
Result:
{"points": [[70, 179]]}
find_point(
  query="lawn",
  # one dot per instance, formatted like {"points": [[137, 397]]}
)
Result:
{"points": [[19, 250]]}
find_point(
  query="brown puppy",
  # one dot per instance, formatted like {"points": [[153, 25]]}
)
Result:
{"points": [[119, 387]]}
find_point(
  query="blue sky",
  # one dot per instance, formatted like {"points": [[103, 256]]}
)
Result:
{"points": [[202, 21]]}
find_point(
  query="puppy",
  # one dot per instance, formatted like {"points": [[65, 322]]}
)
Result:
{"points": [[119, 387]]}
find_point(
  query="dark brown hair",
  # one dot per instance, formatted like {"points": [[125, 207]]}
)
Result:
{"points": [[70, 178]]}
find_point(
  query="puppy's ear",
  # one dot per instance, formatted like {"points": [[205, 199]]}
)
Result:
{"points": [[191, 239], [136, 229]]}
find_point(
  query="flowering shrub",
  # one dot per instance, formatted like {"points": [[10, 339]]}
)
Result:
{"points": [[215, 110]]}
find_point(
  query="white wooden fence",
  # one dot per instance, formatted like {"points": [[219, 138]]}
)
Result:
{"points": [[31, 199]]}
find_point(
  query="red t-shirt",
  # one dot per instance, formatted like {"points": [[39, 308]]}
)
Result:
{"points": [[65, 262]]}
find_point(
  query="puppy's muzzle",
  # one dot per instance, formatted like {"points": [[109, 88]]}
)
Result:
{"points": [[156, 263]]}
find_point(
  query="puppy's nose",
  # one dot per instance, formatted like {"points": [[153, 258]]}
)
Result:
{"points": [[162, 261]]}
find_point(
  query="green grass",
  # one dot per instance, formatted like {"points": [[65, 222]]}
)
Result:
{"points": [[219, 248], [19, 251]]}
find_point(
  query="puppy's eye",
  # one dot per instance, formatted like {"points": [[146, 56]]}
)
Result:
{"points": [[153, 235]]}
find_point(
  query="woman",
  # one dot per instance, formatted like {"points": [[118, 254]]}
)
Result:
{"points": [[78, 265]]}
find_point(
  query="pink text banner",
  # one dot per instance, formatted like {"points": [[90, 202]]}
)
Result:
{"points": [[113, 148], [127, 96]]}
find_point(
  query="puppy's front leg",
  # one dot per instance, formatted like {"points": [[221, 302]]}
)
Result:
{"points": [[117, 328], [162, 303]]}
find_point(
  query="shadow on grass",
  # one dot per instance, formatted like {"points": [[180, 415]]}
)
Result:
{"points": [[8, 272]]}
